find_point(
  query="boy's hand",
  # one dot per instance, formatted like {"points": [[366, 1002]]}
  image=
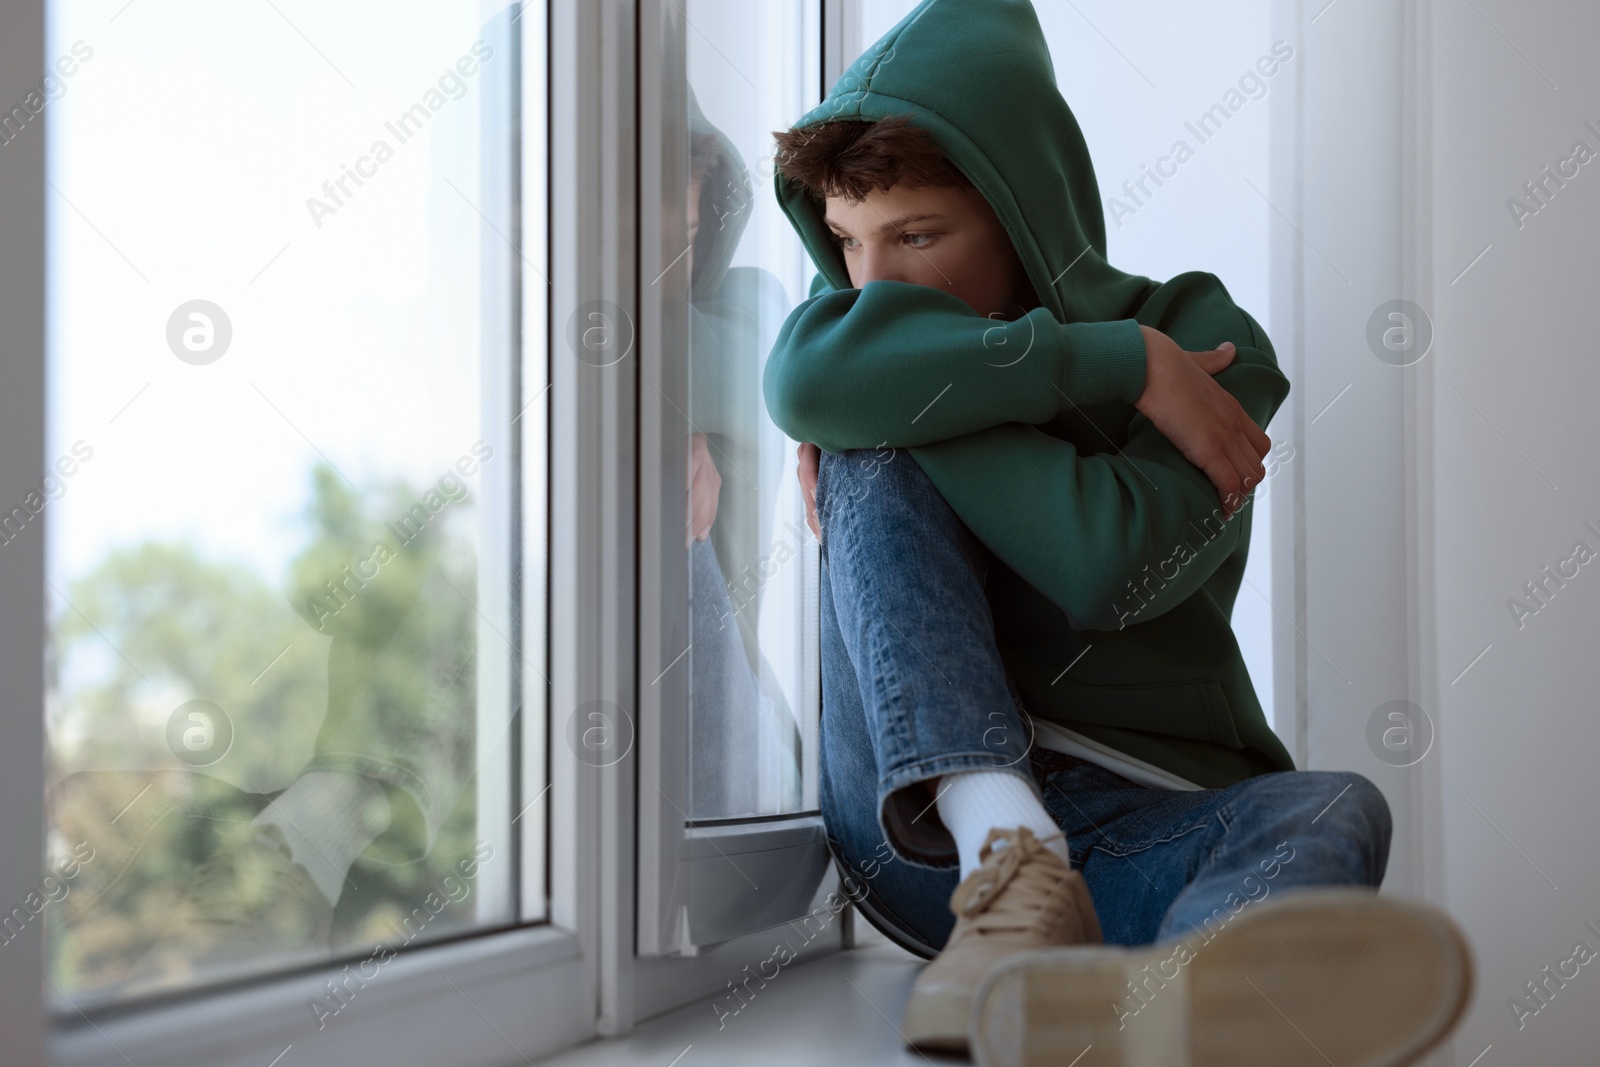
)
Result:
{"points": [[810, 455], [705, 485], [1203, 419]]}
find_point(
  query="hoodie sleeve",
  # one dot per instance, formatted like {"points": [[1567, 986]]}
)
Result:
{"points": [[901, 364], [1110, 537], [728, 333]]}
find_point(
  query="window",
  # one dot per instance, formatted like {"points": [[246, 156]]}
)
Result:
{"points": [[289, 494], [322, 502], [752, 578], [730, 671]]}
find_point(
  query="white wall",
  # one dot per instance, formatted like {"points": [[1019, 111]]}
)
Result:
{"points": [[1515, 478], [1430, 493]]}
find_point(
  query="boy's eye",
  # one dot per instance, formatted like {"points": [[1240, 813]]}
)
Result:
{"points": [[915, 240]]}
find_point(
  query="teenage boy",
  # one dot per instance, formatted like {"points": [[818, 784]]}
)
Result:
{"points": [[1030, 475]]}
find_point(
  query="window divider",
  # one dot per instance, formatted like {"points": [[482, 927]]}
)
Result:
{"points": [[22, 603]]}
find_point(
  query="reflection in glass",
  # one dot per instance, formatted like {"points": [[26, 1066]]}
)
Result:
{"points": [[749, 577], [268, 367]]}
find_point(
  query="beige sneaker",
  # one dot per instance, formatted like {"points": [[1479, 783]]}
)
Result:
{"points": [[1316, 976], [1024, 896]]}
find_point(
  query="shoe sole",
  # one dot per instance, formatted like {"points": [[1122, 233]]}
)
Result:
{"points": [[933, 1023], [1325, 975]]}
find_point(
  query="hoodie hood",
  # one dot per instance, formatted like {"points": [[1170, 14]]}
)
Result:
{"points": [[1003, 124], [725, 204]]}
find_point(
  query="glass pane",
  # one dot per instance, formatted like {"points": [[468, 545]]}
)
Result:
{"points": [[753, 701], [281, 524]]}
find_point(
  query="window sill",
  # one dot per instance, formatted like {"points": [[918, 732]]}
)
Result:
{"points": [[528, 984], [842, 1008]]}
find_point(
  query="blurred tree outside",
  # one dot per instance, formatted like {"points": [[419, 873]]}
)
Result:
{"points": [[157, 624]]}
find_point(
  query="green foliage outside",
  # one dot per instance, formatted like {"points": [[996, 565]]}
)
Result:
{"points": [[159, 623]]}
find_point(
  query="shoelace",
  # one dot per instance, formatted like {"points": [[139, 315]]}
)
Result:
{"points": [[979, 898]]}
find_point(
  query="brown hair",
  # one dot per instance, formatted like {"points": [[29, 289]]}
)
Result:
{"points": [[851, 158], [705, 151]]}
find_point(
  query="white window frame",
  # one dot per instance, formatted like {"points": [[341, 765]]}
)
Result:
{"points": [[1325, 581], [22, 457], [466, 1001], [694, 881], [662, 968]]}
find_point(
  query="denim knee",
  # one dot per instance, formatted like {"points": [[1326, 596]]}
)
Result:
{"points": [[884, 492], [1359, 792], [1349, 802], [859, 474], [1374, 808]]}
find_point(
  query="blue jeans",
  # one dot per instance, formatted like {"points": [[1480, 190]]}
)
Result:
{"points": [[913, 687], [744, 746]]}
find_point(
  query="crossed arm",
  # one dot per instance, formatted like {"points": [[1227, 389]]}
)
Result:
{"points": [[966, 400]]}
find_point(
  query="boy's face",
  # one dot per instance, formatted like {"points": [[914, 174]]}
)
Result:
{"points": [[945, 238], [695, 184]]}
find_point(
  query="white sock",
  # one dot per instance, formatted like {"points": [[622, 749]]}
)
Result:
{"points": [[971, 803], [329, 818]]}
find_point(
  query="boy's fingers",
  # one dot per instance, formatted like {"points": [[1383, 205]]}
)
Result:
{"points": [[1249, 477], [1217, 359], [1249, 457], [1257, 444], [1224, 467], [1248, 472], [1258, 437], [1251, 439], [1233, 496], [806, 472], [1222, 475]]}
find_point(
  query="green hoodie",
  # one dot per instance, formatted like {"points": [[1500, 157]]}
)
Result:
{"points": [[1112, 544]]}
